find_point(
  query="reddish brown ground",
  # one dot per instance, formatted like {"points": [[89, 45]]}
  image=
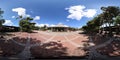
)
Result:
{"points": [[69, 40], [55, 44]]}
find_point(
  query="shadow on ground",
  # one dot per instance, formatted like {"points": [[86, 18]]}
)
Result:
{"points": [[6, 34], [112, 49], [9, 48], [51, 49]]}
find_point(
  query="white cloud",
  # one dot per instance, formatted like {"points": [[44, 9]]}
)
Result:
{"points": [[8, 22], [52, 25], [41, 25], [79, 11], [28, 15], [90, 13], [49, 25], [21, 11], [66, 26], [13, 16], [37, 18]]}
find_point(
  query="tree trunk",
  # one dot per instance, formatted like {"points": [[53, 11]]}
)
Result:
{"points": [[0, 28], [119, 29], [110, 30]]}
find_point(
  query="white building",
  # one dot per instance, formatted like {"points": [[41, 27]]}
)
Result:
{"points": [[59, 28]]}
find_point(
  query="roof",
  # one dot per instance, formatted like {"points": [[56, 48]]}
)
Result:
{"points": [[59, 25]]}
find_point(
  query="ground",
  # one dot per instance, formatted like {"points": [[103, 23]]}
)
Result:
{"points": [[50, 43], [58, 44]]}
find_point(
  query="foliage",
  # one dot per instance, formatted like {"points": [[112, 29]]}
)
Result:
{"points": [[92, 25], [44, 28], [36, 28], [1, 18], [117, 20], [106, 17], [117, 23], [73, 29], [26, 25], [1, 21]]}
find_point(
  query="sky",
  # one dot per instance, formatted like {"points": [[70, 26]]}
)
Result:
{"points": [[73, 13]]}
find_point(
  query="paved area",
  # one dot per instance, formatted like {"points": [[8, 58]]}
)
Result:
{"points": [[71, 40]]}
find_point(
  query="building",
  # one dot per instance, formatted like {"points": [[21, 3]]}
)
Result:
{"points": [[59, 28], [10, 29]]}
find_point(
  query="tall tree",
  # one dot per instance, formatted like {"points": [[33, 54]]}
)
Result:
{"points": [[93, 25], [25, 24], [1, 19], [117, 23], [108, 14]]}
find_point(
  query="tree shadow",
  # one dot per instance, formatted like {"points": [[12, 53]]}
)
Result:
{"points": [[82, 33], [33, 32], [34, 41], [49, 50], [9, 48], [112, 49], [6, 34], [99, 39], [24, 40], [20, 40]]}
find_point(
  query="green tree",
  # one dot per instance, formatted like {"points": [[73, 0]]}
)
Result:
{"points": [[108, 14], [44, 28], [37, 28], [92, 25], [117, 23], [1, 19], [25, 24]]}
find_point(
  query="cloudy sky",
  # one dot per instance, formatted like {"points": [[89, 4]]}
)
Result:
{"points": [[74, 13]]}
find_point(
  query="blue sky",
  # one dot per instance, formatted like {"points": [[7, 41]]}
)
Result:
{"points": [[74, 13]]}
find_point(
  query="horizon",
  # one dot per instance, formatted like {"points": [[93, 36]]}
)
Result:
{"points": [[73, 13]]}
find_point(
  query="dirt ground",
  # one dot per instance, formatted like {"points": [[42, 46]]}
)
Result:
{"points": [[72, 41]]}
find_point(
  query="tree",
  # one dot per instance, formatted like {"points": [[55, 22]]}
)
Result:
{"points": [[1, 22], [45, 27], [25, 24], [85, 28], [37, 28], [1, 19], [93, 25], [108, 17], [117, 23], [108, 14]]}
